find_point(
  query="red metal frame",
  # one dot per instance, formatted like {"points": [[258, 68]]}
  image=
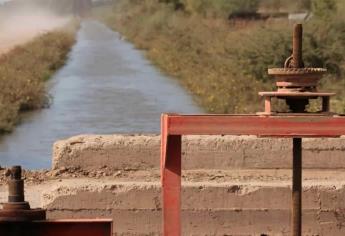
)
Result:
{"points": [[58, 228], [173, 126]]}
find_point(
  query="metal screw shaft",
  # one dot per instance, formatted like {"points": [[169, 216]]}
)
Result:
{"points": [[297, 61]]}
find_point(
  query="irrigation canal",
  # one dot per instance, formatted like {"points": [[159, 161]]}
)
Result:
{"points": [[106, 87]]}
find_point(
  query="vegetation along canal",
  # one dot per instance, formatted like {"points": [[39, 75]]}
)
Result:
{"points": [[106, 87]]}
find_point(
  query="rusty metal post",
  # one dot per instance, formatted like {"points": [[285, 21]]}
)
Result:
{"points": [[17, 218], [16, 185], [297, 187], [17, 209], [297, 61]]}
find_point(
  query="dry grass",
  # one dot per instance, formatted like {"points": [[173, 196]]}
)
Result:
{"points": [[24, 70]]}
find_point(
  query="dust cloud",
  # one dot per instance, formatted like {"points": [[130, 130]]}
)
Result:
{"points": [[20, 23]]}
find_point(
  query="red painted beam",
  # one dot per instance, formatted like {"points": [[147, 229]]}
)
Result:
{"points": [[171, 181], [58, 228], [174, 126], [171, 187], [272, 126]]}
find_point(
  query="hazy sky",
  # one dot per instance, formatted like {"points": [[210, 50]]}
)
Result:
{"points": [[2, 1]]}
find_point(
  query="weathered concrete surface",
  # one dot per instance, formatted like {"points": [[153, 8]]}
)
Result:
{"points": [[117, 151], [231, 185], [208, 208], [242, 202], [141, 152], [251, 222]]}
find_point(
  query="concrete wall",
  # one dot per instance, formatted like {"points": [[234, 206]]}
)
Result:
{"points": [[142, 152], [231, 185], [207, 208]]}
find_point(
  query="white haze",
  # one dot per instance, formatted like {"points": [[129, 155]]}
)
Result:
{"points": [[22, 23]]}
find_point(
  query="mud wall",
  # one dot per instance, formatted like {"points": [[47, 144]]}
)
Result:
{"points": [[142, 152], [230, 185]]}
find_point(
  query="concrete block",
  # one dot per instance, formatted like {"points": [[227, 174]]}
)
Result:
{"points": [[142, 152]]}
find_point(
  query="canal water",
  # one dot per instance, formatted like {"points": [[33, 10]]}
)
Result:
{"points": [[106, 87]]}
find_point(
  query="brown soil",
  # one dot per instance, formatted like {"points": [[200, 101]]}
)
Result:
{"points": [[40, 176], [217, 176]]}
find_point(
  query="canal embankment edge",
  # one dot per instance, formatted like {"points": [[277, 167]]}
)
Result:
{"points": [[142, 152]]}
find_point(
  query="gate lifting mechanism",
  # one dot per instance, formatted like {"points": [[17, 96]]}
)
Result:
{"points": [[17, 218], [296, 85]]}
